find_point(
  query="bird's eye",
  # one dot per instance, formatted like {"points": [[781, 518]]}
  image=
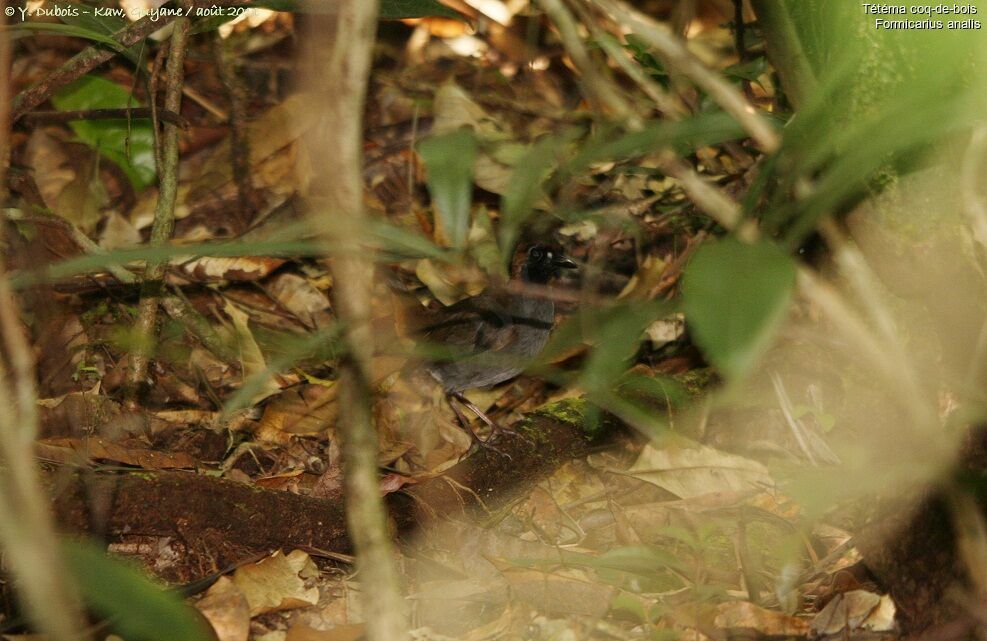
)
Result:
{"points": [[535, 253]]}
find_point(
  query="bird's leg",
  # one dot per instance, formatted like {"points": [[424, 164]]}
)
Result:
{"points": [[451, 397], [495, 428]]}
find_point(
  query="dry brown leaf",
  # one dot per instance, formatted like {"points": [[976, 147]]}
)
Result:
{"points": [[301, 409], [493, 169], [82, 200], [855, 610], [75, 413], [225, 606], [118, 233], [563, 592], [238, 268], [449, 282], [278, 583], [301, 298], [52, 168], [738, 616], [348, 632], [71, 450], [274, 163], [688, 469], [252, 359]]}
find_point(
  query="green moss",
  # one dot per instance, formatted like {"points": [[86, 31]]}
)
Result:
{"points": [[571, 411], [697, 382], [577, 413]]}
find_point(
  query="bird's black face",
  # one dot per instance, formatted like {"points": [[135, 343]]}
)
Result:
{"points": [[543, 262]]}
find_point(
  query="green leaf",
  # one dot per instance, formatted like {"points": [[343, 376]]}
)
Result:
{"points": [[132, 148], [138, 608], [449, 161], [750, 70], [734, 296]]}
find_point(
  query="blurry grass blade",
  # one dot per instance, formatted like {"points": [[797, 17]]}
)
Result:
{"points": [[254, 387], [78, 15], [97, 262], [137, 608], [525, 188], [404, 243], [685, 135], [735, 295], [129, 145], [388, 9], [641, 560], [449, 161], [617, 338], [645, 420], [655, 391], [74, 31]]}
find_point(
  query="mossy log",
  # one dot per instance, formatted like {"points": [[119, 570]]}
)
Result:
{"points": [[225, 521]]}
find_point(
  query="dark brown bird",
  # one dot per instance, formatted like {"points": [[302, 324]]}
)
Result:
{"points": [[491, 337]]}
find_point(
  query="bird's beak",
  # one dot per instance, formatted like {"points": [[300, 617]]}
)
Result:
{"points": [[563, 262]]}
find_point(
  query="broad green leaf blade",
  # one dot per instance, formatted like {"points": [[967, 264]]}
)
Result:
{"points": [[137, 608], [132, 148], [449, 161], [734, 296]]}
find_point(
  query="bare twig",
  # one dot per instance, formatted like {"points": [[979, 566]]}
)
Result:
{"points": [[340, 71], [164, 213], [239, 140]]}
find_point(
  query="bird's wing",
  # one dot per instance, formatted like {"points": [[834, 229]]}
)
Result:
{"points": [[477, 324]]}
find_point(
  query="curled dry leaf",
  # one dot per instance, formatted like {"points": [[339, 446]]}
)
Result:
{"points": [[279, 582], [737, 616], [251, 358], [688, 469], [302, 409], [225, 606], [493, 168], [450, 283], [568, 592], [72, 450], [855, 610], [52, 169], [300, 297], [242, 268]]}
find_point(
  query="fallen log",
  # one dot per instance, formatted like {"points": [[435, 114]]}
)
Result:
{"points": [[226, 521]]}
